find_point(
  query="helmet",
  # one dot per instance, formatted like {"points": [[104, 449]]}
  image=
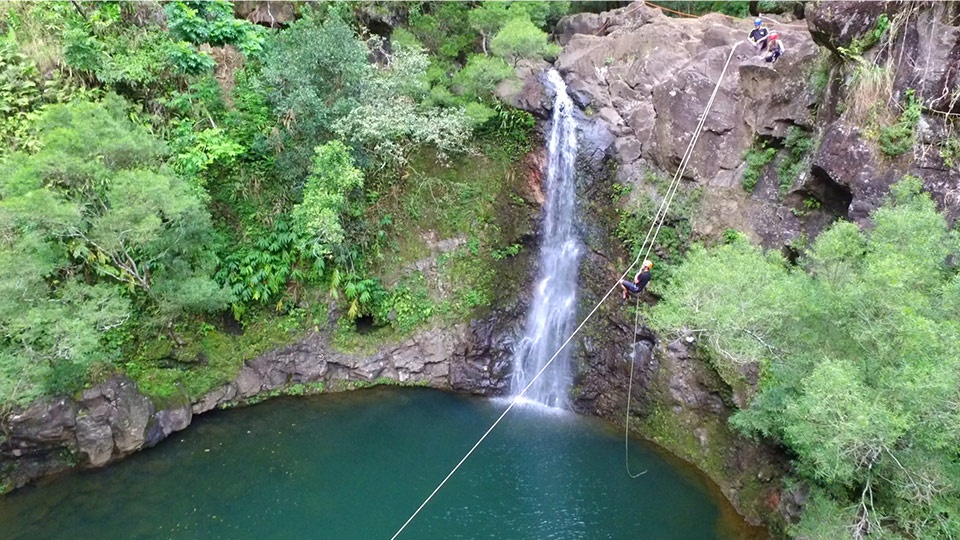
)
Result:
{"points": [[647, 264], [758, 21], [773, 36]]}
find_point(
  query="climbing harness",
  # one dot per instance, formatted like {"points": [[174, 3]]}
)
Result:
{"points": [[658, 221]]}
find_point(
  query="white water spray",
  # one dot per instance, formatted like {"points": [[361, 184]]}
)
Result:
{"points": [[551, 317]]}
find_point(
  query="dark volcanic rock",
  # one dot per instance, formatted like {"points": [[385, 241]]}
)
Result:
{"points": [[649, 78], [527, 91], [837, 24]]}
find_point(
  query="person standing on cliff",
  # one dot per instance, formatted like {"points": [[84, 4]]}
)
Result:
{"points": [[775, 47], [639, 282], [758, 36]]}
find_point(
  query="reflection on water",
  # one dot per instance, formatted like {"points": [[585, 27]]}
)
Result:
{"points": [[355, 466]]}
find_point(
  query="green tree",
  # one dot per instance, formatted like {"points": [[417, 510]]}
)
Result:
{"points": [[521, 39], [488, 19], [326, 196], [543, 14], [858, 350], [393, 120], [480, 76], [443, 28], [315, 72], [91, 225]]}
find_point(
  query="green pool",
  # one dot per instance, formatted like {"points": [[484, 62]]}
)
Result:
{"points": [[354, 466]]}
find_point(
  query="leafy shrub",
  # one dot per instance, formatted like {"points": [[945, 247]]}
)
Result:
{"points": [[756, 159], [212, 22], [519, 39], [797, 143], [950, 151], [511, 128], [20, 95], [480, 76], [899, 138], [675, 235], [260, 272], [325, 197], [407, 305]]}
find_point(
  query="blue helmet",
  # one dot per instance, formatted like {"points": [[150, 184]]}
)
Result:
{"points": [[758, 21]]}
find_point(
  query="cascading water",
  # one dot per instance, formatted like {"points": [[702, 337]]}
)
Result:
{"points": [[551, 316]]}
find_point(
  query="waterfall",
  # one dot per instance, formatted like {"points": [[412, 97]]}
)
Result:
{"points": [[554, 308]]}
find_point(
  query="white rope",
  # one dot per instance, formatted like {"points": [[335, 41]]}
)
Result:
{"points": [[665, 205], [668, 199], [626, 424]]}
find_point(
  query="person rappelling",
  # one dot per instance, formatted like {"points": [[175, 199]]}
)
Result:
{"points": [[758, 36], [775, 48], [639, 282]]}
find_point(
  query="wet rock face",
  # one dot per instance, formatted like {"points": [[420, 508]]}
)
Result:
{"points": [[108, 422], [929, 36], [934, 36]]}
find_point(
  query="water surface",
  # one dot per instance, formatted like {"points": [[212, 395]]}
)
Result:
{"points": [[355, 466]]}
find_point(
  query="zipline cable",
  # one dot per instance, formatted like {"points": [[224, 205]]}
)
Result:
{"points": [[665, 205], [668, 199]]}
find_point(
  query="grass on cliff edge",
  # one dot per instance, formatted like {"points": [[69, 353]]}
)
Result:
{"points": [[206, 357]]}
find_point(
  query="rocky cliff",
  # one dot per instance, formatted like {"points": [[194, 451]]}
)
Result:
{"points": [[827, 119]]}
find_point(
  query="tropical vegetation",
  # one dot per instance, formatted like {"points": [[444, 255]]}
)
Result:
{"points": [[856, 348], [170, 171]]}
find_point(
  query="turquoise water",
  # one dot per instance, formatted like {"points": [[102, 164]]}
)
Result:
{"points": [[355, 466]]}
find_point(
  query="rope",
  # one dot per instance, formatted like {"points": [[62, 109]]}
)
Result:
{"points": [[682, 14], [667, 200], [665, 205], [626, 425], [515, 400]]}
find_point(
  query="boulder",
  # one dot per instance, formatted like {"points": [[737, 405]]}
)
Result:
{"points": [[271, 13], [837, 24], [116, 406], [579, 23], [526, 90], [167, 421], [94, 441]]}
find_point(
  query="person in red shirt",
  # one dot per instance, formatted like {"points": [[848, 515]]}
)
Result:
{"points": [[775, 47]]}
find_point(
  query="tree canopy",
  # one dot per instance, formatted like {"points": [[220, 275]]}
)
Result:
{"points": [[857, 346], [91, 224]]}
